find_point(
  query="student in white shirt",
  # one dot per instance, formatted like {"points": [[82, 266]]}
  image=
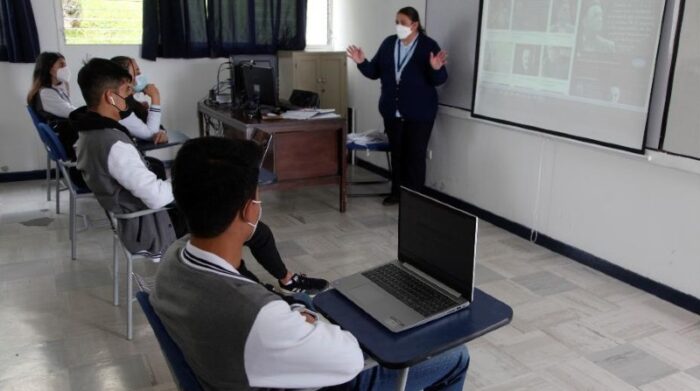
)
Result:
{"points": [[123, 181], [143, 120], [233, 332], [49, 96]]}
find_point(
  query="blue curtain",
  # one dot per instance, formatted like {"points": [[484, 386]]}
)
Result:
{"points": [[174, 29], [219, 28], [19, 41], [256, 26]]}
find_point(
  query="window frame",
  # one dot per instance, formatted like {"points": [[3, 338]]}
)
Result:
{"points": [[329, 29], [61, 36]]}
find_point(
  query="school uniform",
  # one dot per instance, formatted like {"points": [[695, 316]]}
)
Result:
{"points": [[237, 335], [54, 106], [408, 103]]}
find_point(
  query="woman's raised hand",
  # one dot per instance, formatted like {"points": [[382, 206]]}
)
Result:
{"points": [[356, 54], [439, 60]]}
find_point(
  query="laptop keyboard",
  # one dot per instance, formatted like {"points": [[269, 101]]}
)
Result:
{"points": [[410, 290]]}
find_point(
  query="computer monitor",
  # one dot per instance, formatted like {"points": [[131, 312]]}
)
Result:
{"points": [[259, 83], [239, 61], [439, 240]]}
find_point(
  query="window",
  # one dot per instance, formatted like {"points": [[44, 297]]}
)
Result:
{"points": [[98, 22], [318, 23]]}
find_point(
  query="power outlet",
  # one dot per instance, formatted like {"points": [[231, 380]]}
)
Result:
{"points": [[430, 154]]}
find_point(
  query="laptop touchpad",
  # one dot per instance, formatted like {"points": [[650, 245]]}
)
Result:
{"points": [[367, 294]]}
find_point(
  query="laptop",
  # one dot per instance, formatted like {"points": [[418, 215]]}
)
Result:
{"points": [[434, 275]]}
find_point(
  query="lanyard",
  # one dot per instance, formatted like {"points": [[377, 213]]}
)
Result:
{"points": [[401, 63]]}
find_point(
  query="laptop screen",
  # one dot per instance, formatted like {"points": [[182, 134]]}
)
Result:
{"points": [[439, 240]]}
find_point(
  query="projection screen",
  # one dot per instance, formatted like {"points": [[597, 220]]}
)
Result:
{"points": [[577, 68]]}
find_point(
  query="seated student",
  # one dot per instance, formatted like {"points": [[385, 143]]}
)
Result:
{"points": [[118, 175], [143, 121], [227, 325], [49, 96]]}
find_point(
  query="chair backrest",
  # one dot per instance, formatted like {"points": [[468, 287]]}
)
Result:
{"points": [[183, 374], [52, 143], [36, 119], [263, 139]]}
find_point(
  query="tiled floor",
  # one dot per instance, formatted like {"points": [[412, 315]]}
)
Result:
{"points": [[574, 328]]}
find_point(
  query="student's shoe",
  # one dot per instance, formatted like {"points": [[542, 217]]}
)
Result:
{"points": [[391, 200], [302, 284]]}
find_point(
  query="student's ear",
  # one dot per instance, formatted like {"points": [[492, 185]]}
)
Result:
{"points": [[247, 211]]}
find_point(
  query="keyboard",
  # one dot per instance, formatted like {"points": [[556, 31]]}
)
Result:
{"points": [[410, 290]]}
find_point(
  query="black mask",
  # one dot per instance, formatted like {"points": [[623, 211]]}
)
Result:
{"points": [[123, 114]]}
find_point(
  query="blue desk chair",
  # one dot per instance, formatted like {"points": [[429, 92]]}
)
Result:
{"points": [[55, 150], [353, 148], [36, 120], [181, 371]]}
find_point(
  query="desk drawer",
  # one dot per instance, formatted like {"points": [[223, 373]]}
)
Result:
{"points": [[307, 154]]}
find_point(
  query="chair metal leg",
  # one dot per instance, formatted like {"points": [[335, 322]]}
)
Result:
{"points": [[129, 297], [115, 267], [48, 177], [58, 192], [73, 232]]}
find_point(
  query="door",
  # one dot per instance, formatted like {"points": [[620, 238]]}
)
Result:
{"points": [[306, 73]]}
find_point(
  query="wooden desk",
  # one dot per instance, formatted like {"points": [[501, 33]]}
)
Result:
{"points": [[303, 153]]}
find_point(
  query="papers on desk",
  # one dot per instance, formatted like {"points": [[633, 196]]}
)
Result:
{"points": [[310, 114]]}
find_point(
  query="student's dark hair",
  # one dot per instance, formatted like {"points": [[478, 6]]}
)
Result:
{"points": [[123, 61], [412, 14], [41, 78], [213, 179], [138, 108], [99, 75]]}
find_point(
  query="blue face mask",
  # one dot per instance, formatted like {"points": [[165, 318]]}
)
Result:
{"points": [[141, 83]]}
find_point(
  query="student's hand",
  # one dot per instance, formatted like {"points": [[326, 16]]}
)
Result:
{"points": [[160, 138], [152, 91], [310, 318], [439, 60], [356, 54]]}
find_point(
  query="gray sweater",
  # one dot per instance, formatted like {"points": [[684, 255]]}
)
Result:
{"points": [[150, 234], [237, 335]]}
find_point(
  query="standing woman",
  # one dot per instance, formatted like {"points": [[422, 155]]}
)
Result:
{"points": [[410, 65]]}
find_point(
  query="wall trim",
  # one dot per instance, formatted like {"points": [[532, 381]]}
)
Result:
{"points": [[638, 281], [24, 176]]}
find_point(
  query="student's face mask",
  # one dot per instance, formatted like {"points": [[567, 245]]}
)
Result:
{"points": [[403, 31], [141, 83], [63, 75], [255, 225], [122, 113]]}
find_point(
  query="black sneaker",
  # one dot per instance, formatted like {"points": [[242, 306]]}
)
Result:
{"points": [[391, 200], [302, 284]]}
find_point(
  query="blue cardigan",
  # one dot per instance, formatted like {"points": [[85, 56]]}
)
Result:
{"points": [[415, 96]]}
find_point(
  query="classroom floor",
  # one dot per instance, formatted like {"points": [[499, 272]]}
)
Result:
{"points": [[574, 328]]}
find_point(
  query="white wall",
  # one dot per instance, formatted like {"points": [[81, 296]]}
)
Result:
{"points": [[181, 82], [617, 206]]}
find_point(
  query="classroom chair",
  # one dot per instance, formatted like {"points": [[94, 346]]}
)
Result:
{"points": [[181, 371], [353, 148], [130, 258], [36, 120], [264, 141], [58, 155]]}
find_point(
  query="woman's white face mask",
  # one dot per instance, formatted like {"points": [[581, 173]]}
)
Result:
{"points": [[63, 74], [403, 31]]}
